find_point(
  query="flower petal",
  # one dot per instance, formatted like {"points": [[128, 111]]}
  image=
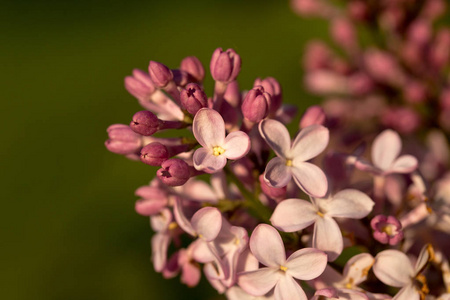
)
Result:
{"points": [[267, 246], [404, 164], [205, 161], [160, 243], [306, 263], [293, 214], [426, 254], [328, 237], [259, 282], [276, 135], [393, 268], [310, 142], [181, 219], [409, 292], [386, 148], [357, 268], [277, 174], [288, 288], [348, 203], [236, 145], [208, 128], [207, 223], [310, 178]]}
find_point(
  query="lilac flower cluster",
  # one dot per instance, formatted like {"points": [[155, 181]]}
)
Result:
{"points": [[316, 217]]}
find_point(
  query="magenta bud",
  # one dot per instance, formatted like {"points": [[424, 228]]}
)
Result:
{"points": [[193, 67], [139, 85], [159, 74], [273, 87], [402, 119], [415, 92], [123, 140], [313, 115], [145, 123], [420, 32], [272, 192], [444, 99], [256, 104], [358, 10], [193, 98], [225, 65], [343, 33], [180, 77], [174, 172], [154, 154]]}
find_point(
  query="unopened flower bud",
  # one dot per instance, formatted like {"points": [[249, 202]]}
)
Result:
{"points": [[420, 32], [154, 154], [193, 67], [313, 115], [402, 119], [415, 92], [273, 87], [159, 74], [233, 94], [174, 172], [193, 98], [383, 67], [343, 33], [256, 104], [139, 85], [123, 140], [272, 192], [180, 77], [225, 65], [358, 10], [145, 123]]}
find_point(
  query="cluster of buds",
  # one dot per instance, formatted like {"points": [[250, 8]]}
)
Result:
{"points": [[272, 217]]}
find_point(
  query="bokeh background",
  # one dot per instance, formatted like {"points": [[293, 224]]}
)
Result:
{"points": [[68, 226]]}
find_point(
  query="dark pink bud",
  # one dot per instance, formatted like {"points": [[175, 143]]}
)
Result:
{"points": [[317, 56], [154, 154], [123, 140], [272, 192], [420, 32], [159, 74], [358, 10], [387, 230], [440, 50], [193, 98], [444, 99], [181, 78], [139, 85], [225, 65], [313, 115], [402, 119], [193, 67], [273, 87], [343, 33], [360, 84], [145, 123], [256, 104], [174, 172], [415, 92]]}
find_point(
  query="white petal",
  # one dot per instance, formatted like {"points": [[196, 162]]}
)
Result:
{"points": [[201, 251], [404, 164], [236, 145], [160, 243], [205, 161], [393, 268], [259, 282], [409, 292], [207, 223], [306, 263], [276, 135], [310, 142], [425, 255], [287, 288], [277, 174], [328, 237], [348, 203], [386, 148], [267, 246], [357, 268], [209, 128], [310, 178], [293, 214]]}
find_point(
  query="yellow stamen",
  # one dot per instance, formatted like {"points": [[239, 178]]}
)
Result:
{"points": [[173, 225], [217, 150], [349, 284], [283, 268], [389, 229], [289, 162], [320, 214], [237, 241]]}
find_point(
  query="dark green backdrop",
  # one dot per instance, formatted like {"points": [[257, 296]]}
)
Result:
{"points": [[68, 226]]}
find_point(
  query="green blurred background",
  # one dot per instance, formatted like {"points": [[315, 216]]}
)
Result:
{"points": [[68, 226]]}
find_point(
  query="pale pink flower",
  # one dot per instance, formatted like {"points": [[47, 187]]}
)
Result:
{"points": [[162, 224], [295, 214], [209, 130], [280, 273], [394, 268], [291, 158]]}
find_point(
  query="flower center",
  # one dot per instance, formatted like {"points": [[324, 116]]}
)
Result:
{"points": [[173, 225], [283, 268], [289, 162], [320, 214], [389, 229], [217, 150]]}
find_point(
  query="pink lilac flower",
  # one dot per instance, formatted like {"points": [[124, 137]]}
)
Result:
{"points": [[293, 215], [280, 273], [291, 158], [209, 130], [387, 230]]}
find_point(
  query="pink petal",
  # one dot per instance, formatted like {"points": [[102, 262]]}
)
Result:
{"points": [[205, 161], [181, 218], [310, 178], [386, 148], [293, 214], [160, 243], [404, 164], [190, 274], [306, 263], [267, 246], [393, 268], [207, 223], [198, 190], [259, 282], [236, 145], [201, 252], [276, 135], [328, 237], [277, 174], [161, 221], [425, 255], [309, 143], [409, 292], [288, 288], [209, 128], [357, 268], [348, 203]]}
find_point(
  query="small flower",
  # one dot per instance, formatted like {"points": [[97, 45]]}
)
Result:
{"points": [[225, 65], [209, 130], [387, 230], [291, 158]]}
